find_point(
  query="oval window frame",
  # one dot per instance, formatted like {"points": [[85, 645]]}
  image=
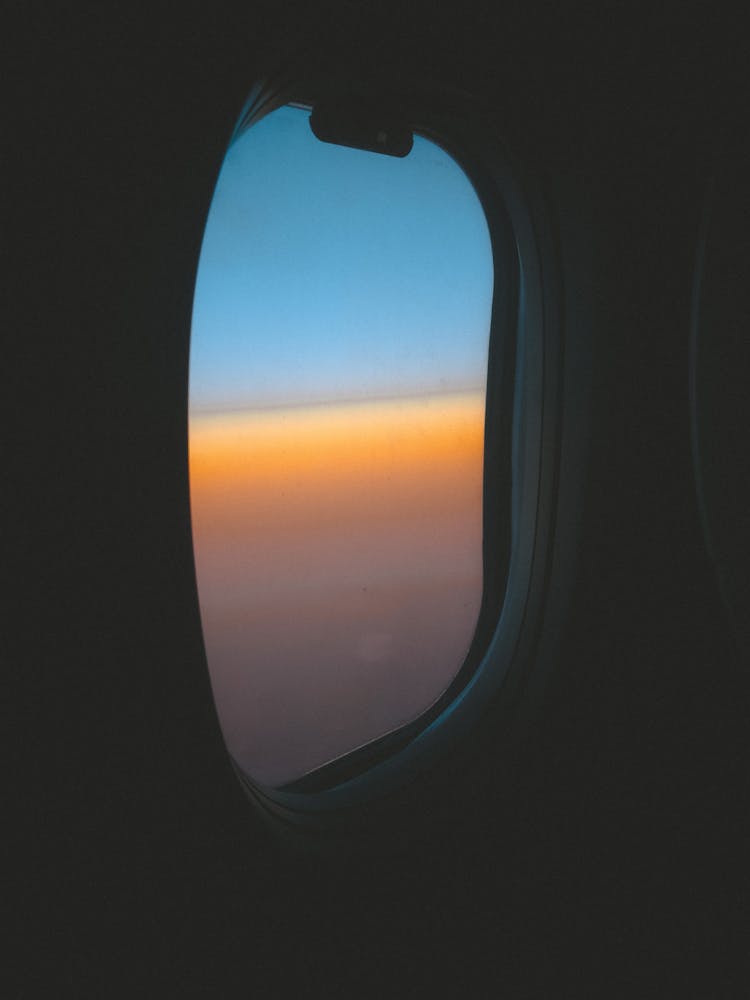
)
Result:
{"points": [[521, 436]]}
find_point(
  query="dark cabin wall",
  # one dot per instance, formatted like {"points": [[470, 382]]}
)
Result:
{"points": [[612, 842]]}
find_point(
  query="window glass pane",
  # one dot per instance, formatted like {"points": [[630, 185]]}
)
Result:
{"points": [[337, 393]]}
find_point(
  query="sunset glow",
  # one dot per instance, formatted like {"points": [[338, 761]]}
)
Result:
{"points": [[338, 544]]}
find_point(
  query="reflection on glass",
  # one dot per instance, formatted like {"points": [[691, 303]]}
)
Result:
{"points": [[337, 390]]}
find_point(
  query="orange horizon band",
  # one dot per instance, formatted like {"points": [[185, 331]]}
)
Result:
{"points": [[426, 431]]}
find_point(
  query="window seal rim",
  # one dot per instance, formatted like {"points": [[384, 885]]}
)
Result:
{"points": [[499, 662]]}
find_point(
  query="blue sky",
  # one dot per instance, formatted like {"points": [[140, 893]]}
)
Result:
{"points": [[328, 273]]}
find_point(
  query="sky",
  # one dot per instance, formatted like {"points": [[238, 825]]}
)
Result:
{"points": [[337, 385], [329, 273]]}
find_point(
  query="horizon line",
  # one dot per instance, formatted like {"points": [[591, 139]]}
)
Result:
{"points": [[342, 401]]}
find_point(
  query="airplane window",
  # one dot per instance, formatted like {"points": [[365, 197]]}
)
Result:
{"points": [[338, 372]]}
